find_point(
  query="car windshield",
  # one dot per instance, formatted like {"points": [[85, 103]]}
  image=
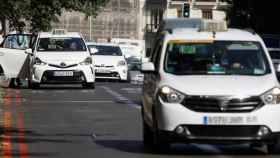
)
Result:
{"points": [[61, 44], [107, 50], [216, 58]]}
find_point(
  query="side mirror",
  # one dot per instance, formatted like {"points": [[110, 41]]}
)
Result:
{"points": [[278, 68], [148, 67], [93, 51], [29, 51]]}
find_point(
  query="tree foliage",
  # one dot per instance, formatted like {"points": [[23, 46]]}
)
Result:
{"points": [[258, 15], [41, 13]]}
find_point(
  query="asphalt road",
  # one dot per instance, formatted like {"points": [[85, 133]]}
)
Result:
{"points": [[71, 122]]}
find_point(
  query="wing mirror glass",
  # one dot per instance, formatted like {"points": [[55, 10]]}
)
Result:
{"points": [[29, 51], [148, 67]]}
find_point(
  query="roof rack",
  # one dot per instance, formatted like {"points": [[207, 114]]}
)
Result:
{"points": [[213, 26], [59, 31]]}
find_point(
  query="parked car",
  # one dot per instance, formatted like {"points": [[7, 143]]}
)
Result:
{"points": [[109, 61], [210, 84], [272, 43], [134, 67]]}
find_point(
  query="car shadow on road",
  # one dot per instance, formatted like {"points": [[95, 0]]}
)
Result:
{"points": [[134, 146]]}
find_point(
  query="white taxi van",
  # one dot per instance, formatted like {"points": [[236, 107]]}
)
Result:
{"points": [[210, 84], [60, 57]]}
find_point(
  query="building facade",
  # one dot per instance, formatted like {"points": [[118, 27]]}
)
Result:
{"points": [[118, 19], [157, 10]]}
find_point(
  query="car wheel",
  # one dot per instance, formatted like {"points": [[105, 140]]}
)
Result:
{"points": [[274, 148], [14, 83], [159, 144], [33, 85], [89, 85], [147, 134]]}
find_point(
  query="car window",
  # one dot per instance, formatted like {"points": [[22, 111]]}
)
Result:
{"points": [[217, 58], [61, 44], [107, 50], [272, 42], [17, 41], [274, 54]]}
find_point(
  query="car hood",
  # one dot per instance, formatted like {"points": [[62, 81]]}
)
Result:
{"points": [[107, 60], [62, 57], [221, 85]]}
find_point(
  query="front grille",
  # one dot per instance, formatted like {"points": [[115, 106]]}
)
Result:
{"points": [[112, 74], [220, 104], [223, 131], [48, 77], [104, 66], [59, 66]]}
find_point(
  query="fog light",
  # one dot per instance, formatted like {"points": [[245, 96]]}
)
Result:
{"points": [[179, 130], [263, 131], [187, 131]]}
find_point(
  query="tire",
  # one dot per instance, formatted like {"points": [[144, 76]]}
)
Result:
{"points": [[147, 134], [159, 144], [14, 83], [274, 148], [1, 70], [33, 85], [89, 85]]}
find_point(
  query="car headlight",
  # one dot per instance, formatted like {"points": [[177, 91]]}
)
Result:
{"points": [[87, 61], [38, 61], [121, 63], [170, 95], [272, 96]]}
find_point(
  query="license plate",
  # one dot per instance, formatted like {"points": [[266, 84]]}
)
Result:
{"points": [[102, 71], [224, 120], [63, 73]]}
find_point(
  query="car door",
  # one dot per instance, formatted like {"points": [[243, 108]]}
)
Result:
{"points": [[13, 58], [151, 81]]}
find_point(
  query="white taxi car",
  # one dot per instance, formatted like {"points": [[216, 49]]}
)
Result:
{"points": [[61, 57], [210, 84], [109, 61]]}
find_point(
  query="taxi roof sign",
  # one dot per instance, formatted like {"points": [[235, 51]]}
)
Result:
{"points": [[59, 31], [213, 26]]}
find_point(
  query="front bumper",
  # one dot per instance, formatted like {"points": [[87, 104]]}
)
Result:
{"points": [[173, 137], [45, 75], [119, 73], [202, 126]]}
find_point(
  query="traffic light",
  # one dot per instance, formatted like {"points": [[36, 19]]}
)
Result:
{"points": [[186, 10]]}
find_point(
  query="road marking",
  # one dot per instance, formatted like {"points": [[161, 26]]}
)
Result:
{"points": [[132, 90], [7, 120], [70, 101], [7, 139], [23, 148], [121, 98]]}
